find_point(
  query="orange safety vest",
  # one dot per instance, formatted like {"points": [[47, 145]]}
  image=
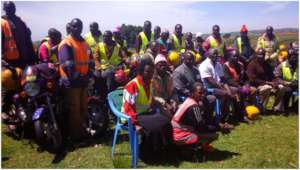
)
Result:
{"points": [[233, 72], [183, 131], [10, 47], [80, 52]]}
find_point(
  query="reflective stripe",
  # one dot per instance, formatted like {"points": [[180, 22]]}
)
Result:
{"points": [[239, 44], [92, 42]]}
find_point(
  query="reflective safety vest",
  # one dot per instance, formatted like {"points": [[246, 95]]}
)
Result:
{"points": [[233, 72], [269, 46], [179, 47], [52, 56], [92, 42], [81, 55], [144, 42], [214, 44], [181, 132], [114, 59], [287, 73], [142, 102], [239, 44], [10, 47]]}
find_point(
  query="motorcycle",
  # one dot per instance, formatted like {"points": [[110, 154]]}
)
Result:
{"points": [[42, 103], [98, 118], [11, 86]]}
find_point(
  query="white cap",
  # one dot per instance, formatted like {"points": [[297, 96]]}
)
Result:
{"points": [[199, 34]]}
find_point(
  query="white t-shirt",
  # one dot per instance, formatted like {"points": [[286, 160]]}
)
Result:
{"points": [[207, 69]]}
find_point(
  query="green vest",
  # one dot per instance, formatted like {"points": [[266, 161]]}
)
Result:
{"points": [[214, 44], [142, 101], [114, 60], [177, 46], [92, 42], [144, 42], [287, 73], [239, 44]]}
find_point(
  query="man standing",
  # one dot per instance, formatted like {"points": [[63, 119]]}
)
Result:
{"points": [[156, 33], [75, 69], [198, 44], [215, 41], [163, 41], [269, 43], [17, 47], [93, 37], [48, 51], [243, 45], [143, 38], [177, 39], [117, 37], [108, 58]]}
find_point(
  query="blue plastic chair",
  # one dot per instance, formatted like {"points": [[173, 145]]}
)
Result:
{"points": [[217, 105], [115, 103]]}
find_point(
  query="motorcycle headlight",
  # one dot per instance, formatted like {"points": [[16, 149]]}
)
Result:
{"points": [[32, 89]]}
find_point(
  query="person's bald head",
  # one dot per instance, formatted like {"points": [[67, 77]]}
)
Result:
{"points": [[54, 35], [107, 36], [157, 30], [165, 35], [189, 59], [9, 8], [147, 26], [94, 29], [189, 36], [213, 54], [260, 54], [178, 29], [154, 47], [216, 30], [76, 27]]}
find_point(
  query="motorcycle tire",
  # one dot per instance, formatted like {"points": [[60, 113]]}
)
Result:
{"points": [[39, 132]]}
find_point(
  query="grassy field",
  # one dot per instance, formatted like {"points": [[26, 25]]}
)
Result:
{"points": [[269, 143]]}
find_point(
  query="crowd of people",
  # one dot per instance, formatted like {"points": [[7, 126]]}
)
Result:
{"points": [[171, 82]]}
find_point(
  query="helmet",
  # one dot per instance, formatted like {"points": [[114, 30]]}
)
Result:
{"points": [[282, 47], [120, 76], [283, 55], [8, 82], [252, 112], [197, 56], [174, 58]]}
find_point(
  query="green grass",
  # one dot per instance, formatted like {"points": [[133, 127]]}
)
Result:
{"points": [[269, 143]]}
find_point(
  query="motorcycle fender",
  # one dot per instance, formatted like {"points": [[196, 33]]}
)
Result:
{"points": [[38, 113]]}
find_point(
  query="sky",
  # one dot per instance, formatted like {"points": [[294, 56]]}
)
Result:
{"points": [[195, 16]]}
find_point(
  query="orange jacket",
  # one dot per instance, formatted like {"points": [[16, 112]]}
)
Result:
{"points": [[10, 47]]}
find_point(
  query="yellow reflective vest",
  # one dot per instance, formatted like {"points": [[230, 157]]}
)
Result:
{"points": [[114, 60], [52, 56], [287, 73], [145, 41], [142, 101], [92, 42], [179, 47], [214, 44]]}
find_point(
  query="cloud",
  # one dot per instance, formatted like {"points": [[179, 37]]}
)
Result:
{"points": [[274, 7]]}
